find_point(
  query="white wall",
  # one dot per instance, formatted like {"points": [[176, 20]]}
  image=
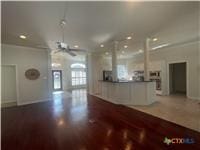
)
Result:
{"points": [[199, 47], [198, 68], [96, 65], [25, 58]]}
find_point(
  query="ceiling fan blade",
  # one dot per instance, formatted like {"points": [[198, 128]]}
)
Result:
{"points": [[71, 53], [78, 50]]}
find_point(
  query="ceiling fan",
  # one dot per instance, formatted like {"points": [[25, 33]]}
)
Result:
{"points": [[63, 47]]}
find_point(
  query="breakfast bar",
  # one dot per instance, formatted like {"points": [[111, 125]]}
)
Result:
{"points": [[128, 92]]}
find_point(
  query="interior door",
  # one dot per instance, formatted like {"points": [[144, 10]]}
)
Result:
{"points": [[177, 78], [8, 86], [57, 80]]}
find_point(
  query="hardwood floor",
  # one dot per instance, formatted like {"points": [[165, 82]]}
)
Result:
{"points": [[85, 122]]}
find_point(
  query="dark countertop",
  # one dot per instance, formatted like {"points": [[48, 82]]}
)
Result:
{"points": [[124, 81]]}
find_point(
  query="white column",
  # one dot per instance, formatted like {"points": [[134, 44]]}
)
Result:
{"points": [[49, 77], [90, 75], [87, 71], [146, 59], [114, 61]]}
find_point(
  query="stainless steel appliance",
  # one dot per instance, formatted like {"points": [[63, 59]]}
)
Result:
{"points": [[156, 76], [107, 75], [153, 75]]}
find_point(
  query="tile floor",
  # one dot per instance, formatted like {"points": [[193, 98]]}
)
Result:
{"points": [[177, 109]]}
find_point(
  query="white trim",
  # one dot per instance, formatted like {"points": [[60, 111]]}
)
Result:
{"points": [[31, 102], [194, 98], [187, 75], [17, 84], [10, 104], [10, 101]]}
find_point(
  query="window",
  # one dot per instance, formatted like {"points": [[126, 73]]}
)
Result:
{"points": [[122, 71], [78, 74], [78, 66]]}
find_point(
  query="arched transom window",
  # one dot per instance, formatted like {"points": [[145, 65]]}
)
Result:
{"points": [[78, 74], [77, 65]]}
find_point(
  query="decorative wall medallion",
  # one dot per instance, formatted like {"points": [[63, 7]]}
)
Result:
{"points": [[32, 74]]}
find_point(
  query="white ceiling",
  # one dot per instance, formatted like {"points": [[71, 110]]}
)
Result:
{"points": [[88, 23]]}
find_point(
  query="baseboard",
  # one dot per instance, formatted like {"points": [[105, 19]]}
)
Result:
{"points": [[6, 101], [32, 102], [9, 104], [193, 98]]}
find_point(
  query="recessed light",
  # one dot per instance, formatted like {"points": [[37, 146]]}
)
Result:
{"points": [[140, 51], [101, 45], [106, 53], [125, 46], [62, 22], [123, 52], [76, 46], [22, 36], [155, 39], [129, 38]]}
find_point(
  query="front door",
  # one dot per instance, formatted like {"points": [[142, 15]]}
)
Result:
{"points": [[57, 80]]}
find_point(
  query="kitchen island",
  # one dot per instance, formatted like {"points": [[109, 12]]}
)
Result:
{"points": [[128, 92]]}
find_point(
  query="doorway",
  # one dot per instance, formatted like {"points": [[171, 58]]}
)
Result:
{"points": [[178, 78], [8, 85], [57, 80]]}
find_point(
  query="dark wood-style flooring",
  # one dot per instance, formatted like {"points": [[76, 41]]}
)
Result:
{"points": [[87, 123]]}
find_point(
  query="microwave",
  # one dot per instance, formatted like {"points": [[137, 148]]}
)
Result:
{"points": [[155, 74]]}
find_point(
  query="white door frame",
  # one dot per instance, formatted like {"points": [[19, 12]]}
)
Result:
{"points": [[187, 75], [17, 82]]}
